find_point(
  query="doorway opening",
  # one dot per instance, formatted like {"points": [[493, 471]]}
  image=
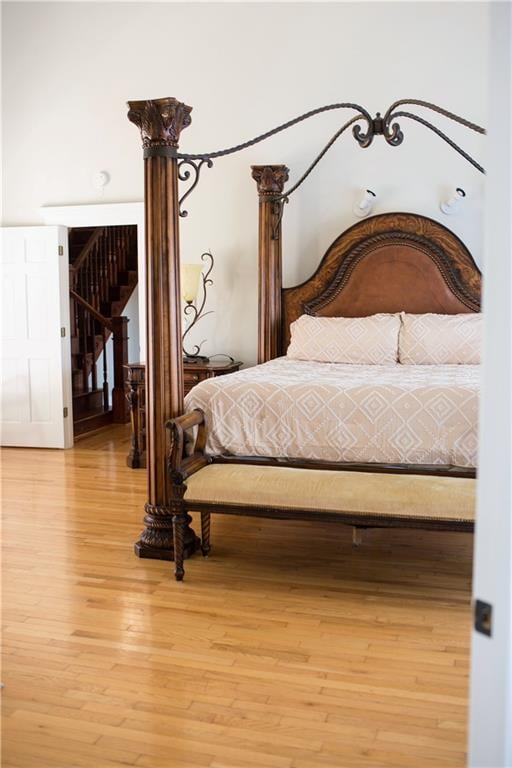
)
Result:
{"points": [[103, 277]]}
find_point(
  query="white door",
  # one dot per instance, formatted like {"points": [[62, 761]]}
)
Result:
{"points": [[36, 404]]}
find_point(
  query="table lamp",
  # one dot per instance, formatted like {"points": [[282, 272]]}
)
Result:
{"points": [[192, 280]]}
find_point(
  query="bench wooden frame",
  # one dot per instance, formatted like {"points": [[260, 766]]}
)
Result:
{"points": [[184, 463]]}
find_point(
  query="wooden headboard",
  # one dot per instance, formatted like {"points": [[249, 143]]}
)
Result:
{"points": [[387, 263]]}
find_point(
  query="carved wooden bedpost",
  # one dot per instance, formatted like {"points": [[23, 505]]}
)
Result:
{"points": [[161, 122], [270, 180]]}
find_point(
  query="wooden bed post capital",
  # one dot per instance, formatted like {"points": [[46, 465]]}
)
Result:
{"points": [[160, 122], [270, 180]]}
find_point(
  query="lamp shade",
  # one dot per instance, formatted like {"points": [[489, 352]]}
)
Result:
{"points": [[190, 281]]}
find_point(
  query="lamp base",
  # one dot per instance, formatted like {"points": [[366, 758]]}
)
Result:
{"points": [[191, 359]]}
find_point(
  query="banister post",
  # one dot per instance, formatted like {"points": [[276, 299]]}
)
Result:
{"points": [[160, 122], [270, 180], [120, 409], [136, 398]]}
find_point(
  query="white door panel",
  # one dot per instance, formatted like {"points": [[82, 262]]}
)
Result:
{"points": [[36, 361]]}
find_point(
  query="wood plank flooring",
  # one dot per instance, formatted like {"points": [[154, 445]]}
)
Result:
{"points": [[287, 648]]}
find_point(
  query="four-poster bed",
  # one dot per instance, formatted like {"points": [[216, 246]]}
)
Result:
{"points": [[387, 264]]}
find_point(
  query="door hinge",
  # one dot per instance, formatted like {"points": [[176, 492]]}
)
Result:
{"points": [[483, 617], [65, 411], [62, 332], [61, 250]]}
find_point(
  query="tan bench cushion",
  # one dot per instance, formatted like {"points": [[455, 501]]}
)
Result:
{"points": [[366, 493]]}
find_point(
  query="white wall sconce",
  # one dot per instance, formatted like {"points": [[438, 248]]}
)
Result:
{"points": [[101, 179], [364, 206], [451, 206]]}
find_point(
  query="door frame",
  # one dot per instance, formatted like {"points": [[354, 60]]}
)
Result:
{"points": [[109, 215], [490, 731]]}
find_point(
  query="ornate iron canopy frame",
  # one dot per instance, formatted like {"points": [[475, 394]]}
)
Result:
{"points": [[364, 135]]}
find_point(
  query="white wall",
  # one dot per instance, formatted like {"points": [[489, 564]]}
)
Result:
{"points": [[69, 68], [491, 663], [131, 311]]}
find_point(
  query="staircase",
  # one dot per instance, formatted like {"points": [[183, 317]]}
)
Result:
{"points": [[102, 277]]}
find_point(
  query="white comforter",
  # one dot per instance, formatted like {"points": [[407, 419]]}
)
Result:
{"points": [[421, 414]]}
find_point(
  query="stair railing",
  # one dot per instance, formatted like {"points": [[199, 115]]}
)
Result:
{"points": [[89, 325], [101, 260], [82, 268]]}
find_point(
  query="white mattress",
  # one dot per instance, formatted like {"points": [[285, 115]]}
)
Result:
{"points": [[421, 414]]}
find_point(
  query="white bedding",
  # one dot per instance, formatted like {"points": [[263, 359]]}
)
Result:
{"points": [[413, 414]]}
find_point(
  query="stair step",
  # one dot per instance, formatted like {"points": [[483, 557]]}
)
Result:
{"points": [[118, 298], [87, 403], [91, 392], [127, 277], [92, 346], [91, 423], [78, 363]]}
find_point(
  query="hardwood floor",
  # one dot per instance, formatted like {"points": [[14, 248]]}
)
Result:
{"points": [[287, 648]]}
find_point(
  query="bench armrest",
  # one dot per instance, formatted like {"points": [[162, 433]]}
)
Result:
{"points": [[180, 463]]}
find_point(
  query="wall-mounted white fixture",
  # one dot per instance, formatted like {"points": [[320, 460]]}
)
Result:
{"points": [[364, 206], [451, 206], [101, 179]]}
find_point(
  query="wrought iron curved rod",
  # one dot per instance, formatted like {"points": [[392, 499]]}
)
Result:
{"points": [[197, 347], [220, 153], [317, 159], [206, 281], [435, 108], [441, 135]]}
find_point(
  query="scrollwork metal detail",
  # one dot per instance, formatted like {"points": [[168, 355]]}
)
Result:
{"points": [[277, 213], [185, 174]]}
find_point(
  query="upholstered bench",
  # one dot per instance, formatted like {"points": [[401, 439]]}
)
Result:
{"points": [[358, 499]]}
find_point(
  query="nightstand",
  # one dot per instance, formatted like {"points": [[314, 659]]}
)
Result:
{"points": [[193, 373]]}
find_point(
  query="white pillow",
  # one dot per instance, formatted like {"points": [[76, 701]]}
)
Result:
{"points": [[440, 339], [360, 340]]}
